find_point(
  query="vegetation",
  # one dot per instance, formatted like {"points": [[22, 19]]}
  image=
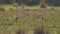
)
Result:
{"points": [[29, 17], [12, 21], [31, 2]]}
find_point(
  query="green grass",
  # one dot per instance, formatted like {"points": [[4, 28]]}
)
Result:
{"points": [[29, 18], [8, 7]]}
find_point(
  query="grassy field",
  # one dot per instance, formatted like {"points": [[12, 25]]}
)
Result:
{"points": [[30, 18], [22, 7]]}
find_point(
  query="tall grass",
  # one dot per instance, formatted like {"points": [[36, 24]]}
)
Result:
{"points": [[41, 30], [22, 30]]}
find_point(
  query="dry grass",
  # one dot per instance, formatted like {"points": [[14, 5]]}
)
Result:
{"points": [[30, 18], [41, 30], [22, 30]]}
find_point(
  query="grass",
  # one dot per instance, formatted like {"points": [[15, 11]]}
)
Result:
{"points": [[29, 18], [16, 7]]}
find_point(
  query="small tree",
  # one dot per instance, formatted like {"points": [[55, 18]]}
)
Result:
{"points": [[43, 5]]}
